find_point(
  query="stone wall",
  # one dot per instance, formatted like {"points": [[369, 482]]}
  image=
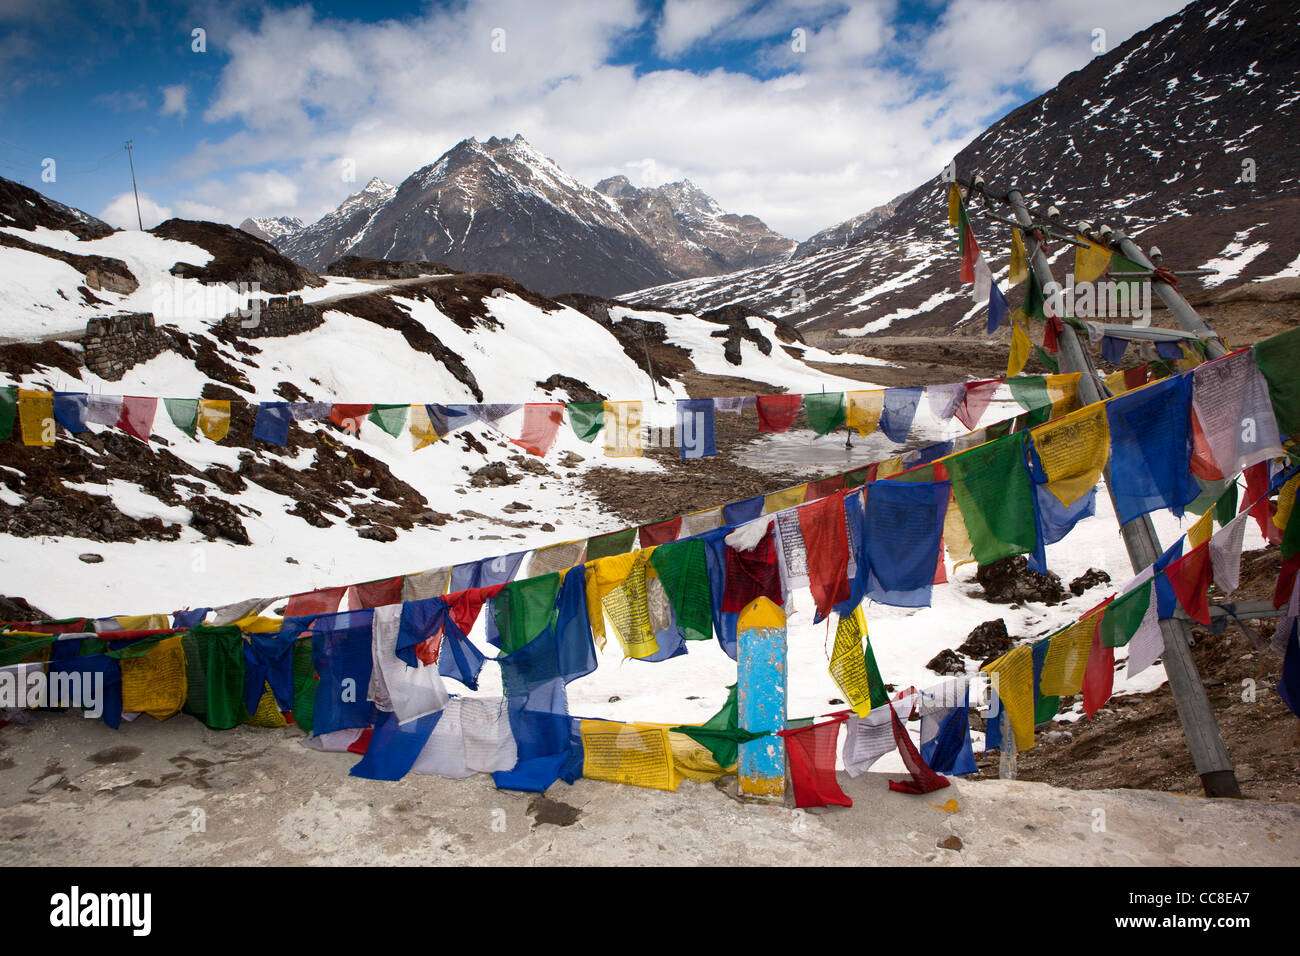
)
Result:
{"points": [[279, 315], [115, 343]]}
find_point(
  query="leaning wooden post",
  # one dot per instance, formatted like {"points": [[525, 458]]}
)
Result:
{"points": [[1204, 740]]}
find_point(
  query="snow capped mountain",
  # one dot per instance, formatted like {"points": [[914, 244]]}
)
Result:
{"points": [[502, 206], [691, 231], [1184, 136], [848, 232], [271, 228]]}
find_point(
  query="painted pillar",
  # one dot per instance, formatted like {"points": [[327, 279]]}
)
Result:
{"points": [[762, 671]]}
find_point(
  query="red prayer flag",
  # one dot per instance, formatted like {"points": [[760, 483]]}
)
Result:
{"points": [[362, 743], [542, 422], [1051, 330], [776, 413], [1099, 673], [940, 572], [970, 252], [1203, 463], [827, 544], [661, 533], [375, 593], [924, 779], [1191, 576], [1285, 581], [818, 490], [136, 418], [465, 605], [978, 396], [1257, 491], [323, 601], [349, 417], [752, 574], [811, 751]]}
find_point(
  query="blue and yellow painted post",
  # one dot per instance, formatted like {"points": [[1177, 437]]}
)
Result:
{"points": [[761, 666]]}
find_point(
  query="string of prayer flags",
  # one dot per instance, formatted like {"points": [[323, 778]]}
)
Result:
{"points": [[862, 410], [36, 414], [1151, 447], [695, 428], [993, 490], [272, 423], [722, 734], [623, 429], [811, 753], [214, 418], [776, 413], [824, 411], [898, 412], [70, 411], [391, 418]]}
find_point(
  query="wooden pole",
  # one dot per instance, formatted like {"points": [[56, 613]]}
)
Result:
{"points": [[1204, 740]]}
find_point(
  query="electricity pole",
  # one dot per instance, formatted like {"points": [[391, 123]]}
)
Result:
{"points": [[133, 186]]}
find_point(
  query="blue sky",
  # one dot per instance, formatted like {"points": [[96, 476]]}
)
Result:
{"points": [[803, 112]]}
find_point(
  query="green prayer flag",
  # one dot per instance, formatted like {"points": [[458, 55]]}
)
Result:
{"points": [[1225, 509], [214, 671], [856, 478], [587, 419], [184, 413], [1045, 708], [616, 542], [1029, 391], [1119, 264], [8, 408], [1046, 359], [875, 683], [1211, 491], [1279, 358], [1291, 537], [1033, 304], [721, 734], [17, 648], [391, 418], [992, 489], [1123, 615], [523, 608], [924, 473], [1002, 429], [824, 411], [305, 682], [683, 571]]}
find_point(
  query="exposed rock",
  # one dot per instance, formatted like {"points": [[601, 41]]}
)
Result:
{"points": [[950, 843], [494, 474], [1010, 580], [377, 533], [356, 267], [988, 640], [46, 784], [1089, 579], [91, 558], [947, 662]]}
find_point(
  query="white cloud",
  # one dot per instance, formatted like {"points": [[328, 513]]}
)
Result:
{"points": [[839, 129], [174, 100], [120, 212]]}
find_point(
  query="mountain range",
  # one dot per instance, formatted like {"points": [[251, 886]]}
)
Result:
{"points": [[1185, 136], [502, 206]]}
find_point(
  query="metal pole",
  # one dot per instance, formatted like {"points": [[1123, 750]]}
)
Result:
{"points": [[1184, 313], [1209, 753], [133, 186], [650, 369]]}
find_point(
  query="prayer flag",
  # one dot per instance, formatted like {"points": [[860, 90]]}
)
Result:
{"points": [[272, 423], [391, 418], [1278, 358], [899, 410], [623, 429], [1018, 267], [214, 418], [184, 413], [824, 411], [721, 734], [423, 433], [70, 411], [1019, 354], [776, 413], [587, 419], [695, 432], [36, 413], [862, 410], [811, 753], [1151, 447]]}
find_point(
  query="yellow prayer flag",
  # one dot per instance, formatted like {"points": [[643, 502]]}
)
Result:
{"points": [[889, 467], [155, 683], [862, 410], [956, 536], [1073, 450], [214, 418], [1191, 358], [1012, 675], [954, 205], [36, 414], [1063, 390], [423, 433], [693, 761], [1018, 270], [603, 576], [1285, 503], [1200, 532], [636, 754], [253, 624], [780, 500], [1020, 345], [1090, 263], [628, 608], [268, 712], [1067, 659], [848, 667], [143, 622], [622, 429], [1116, 384]]}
